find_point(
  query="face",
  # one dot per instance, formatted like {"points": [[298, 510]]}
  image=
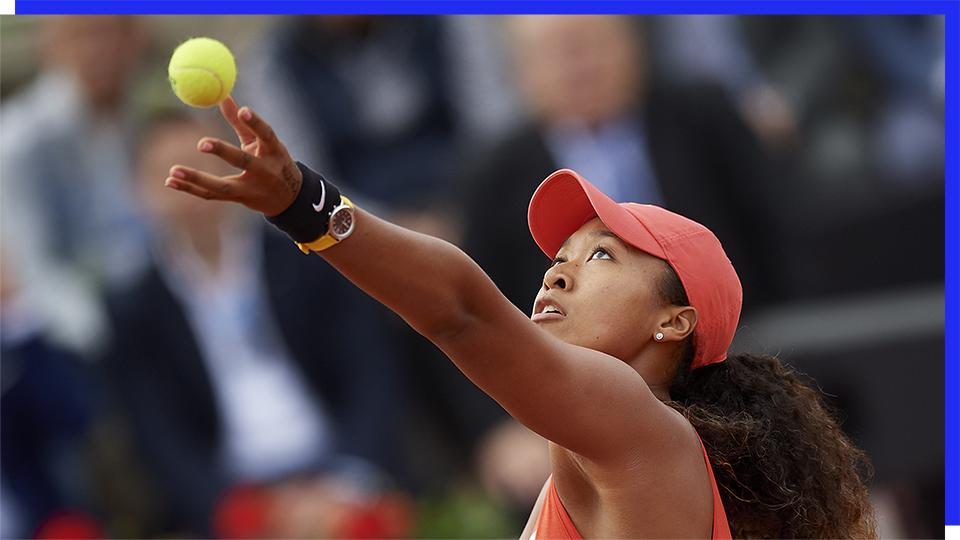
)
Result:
{"points": [[601, 294], [585, 68], [166, 145], [101, 51]]}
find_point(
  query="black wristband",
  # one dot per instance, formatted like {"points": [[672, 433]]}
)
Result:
{"points": [[302, 221]]}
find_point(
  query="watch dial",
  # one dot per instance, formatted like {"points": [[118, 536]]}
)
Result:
{"points": [[341, 223]]}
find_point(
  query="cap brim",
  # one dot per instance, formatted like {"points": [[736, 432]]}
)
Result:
{"points": [[565, 201]]}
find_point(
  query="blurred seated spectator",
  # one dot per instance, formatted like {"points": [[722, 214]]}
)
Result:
{"points": [[241, 362], [594, 109], [69, 224], [46, 415], [386, 105]]}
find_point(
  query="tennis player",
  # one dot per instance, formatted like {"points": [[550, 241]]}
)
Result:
{"points": [[655, 431]]}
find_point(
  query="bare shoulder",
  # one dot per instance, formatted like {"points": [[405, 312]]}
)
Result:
{"points": [[662, 491]]}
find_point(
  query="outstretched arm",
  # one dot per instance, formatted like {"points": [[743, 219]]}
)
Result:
{"points": [[581, 399]]}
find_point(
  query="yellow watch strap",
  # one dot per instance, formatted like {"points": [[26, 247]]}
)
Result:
{"points": [[327, 239]]}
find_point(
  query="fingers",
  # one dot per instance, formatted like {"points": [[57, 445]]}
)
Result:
{"points": [[192, 189], [263, 130], [230, 153], [202, 184], [229, 109]]}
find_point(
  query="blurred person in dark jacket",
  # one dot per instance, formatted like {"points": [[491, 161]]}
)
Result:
{"points": [[593, 108], [228, 376]]}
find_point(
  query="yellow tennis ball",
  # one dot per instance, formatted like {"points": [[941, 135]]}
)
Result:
{"points": [[202, 72]]}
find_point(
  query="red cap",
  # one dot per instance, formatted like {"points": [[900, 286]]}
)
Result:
{"points": [[565, 201]]}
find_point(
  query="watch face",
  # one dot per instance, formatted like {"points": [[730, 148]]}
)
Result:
{"points": [[341, 222]]}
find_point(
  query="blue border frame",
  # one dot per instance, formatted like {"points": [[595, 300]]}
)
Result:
{"points": [[477, 7], [951, 255], [949, 9]]}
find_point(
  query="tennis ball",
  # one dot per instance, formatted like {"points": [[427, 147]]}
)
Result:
{"points": [[202, 72]]}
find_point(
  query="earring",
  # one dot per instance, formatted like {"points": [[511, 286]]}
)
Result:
{"points": [[658, 336]]}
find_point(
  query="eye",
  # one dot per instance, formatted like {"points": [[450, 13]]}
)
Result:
{"points": [[599, 254], [556, 261]]}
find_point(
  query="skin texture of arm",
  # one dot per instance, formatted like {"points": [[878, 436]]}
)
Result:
{"points": [[584, 400]]}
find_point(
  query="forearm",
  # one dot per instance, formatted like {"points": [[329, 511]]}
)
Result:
{"points": [[430, 283]]}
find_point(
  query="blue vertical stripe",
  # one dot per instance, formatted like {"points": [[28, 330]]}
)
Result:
{"points": [[952, 251]]}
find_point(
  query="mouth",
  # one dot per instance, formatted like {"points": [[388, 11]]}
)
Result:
{"points": [[547, 310]]}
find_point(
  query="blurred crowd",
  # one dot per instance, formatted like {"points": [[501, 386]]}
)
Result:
{"points": [[176, 368]]}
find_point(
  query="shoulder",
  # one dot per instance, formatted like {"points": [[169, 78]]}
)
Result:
{"points": [[663, 490], [674, 447]]}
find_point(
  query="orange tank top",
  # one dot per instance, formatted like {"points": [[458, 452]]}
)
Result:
{"points": [[554, 522]]}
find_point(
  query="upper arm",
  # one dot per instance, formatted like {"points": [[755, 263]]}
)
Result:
{"points": [[581, 399]]}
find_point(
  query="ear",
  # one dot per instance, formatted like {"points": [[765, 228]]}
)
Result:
{"points": [[678, 323]]}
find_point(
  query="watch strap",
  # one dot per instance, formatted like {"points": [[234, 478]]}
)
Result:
{"points": [[325, 241]]}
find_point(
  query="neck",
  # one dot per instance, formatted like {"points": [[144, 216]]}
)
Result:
{"points": [[208, 244], [205, 243], [657, 371], [661, 391]]}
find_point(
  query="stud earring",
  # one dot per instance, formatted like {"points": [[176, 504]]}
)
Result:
{"points": [[658, 336]]}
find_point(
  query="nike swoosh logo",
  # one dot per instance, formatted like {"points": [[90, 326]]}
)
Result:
{"points": [[323, 197]]}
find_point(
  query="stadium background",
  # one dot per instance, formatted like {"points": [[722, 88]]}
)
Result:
{"points": [[819, 142]]}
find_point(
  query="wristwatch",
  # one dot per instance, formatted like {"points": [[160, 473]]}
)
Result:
{"points": [[342, 222]]}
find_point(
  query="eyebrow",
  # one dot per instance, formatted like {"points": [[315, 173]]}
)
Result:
{"points": [[600, 232]]}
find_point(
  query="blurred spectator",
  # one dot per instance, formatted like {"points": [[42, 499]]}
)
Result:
{"points": [[906, 54], [382, 103], [690, 49], [869, 160], [47, 409], [867, 94], [594, 109], [513, 463], [385, 105], [241, 361], [69, 224]]}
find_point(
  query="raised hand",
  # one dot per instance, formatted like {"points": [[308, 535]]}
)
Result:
{"points": [[268, 181]]}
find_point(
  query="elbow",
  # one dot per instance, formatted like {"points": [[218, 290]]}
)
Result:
{"points": [[448, 330], [460, 308], [446, 320]]}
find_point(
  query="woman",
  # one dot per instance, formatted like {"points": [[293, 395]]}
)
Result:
{"points": [[622, 365]]}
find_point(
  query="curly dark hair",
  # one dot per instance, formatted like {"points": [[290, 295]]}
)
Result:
{"points": [[783, 466]]}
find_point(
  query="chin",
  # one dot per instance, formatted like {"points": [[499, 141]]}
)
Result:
{"points": [[556, 331]]}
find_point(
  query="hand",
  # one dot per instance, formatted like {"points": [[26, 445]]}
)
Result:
{"points": [[269, 180]]}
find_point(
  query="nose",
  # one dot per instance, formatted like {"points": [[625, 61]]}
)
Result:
{"points": [[557, 277]]}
